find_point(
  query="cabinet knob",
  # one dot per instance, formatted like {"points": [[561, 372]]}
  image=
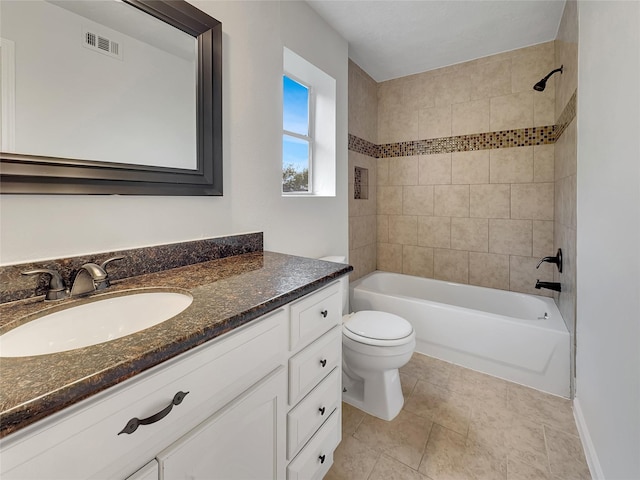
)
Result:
{"points": [[321, 458], [323, 362], [321, 410], [324, 313]]}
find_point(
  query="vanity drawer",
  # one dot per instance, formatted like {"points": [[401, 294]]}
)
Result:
{"points": [[66, 445], [315, 314], [316, 457], [312, 364], [312, 411]]}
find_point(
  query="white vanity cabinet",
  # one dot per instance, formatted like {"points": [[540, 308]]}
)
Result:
{"points": [[315, 383], [85, 440], [225, 410]]}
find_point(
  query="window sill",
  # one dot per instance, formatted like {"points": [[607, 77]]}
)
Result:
{"points": [[306, 195]]}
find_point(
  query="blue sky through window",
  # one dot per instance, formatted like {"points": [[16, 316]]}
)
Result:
{"points": [[296, 107], [295, 151]]}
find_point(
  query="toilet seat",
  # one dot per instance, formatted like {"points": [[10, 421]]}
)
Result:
{"points": [[377, 328]]}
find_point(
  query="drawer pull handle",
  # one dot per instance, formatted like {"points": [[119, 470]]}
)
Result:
{"points": [[323, 362], [321, 458], [133, 424], [321, 410], [324, 313]]}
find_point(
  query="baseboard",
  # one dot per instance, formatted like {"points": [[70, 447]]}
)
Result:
{"points": [[589, 449]]}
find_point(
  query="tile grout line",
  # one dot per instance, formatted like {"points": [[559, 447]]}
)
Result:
{"points": [[424, 448], [546, 446], [374, 464]]}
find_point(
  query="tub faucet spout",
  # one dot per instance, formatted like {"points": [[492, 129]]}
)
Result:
{"points": [[555, 286]]}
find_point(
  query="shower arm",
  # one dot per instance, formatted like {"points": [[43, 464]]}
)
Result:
{"points": [[553, 71], [542, 84]]}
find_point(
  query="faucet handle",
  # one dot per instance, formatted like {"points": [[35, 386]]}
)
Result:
{"points": [[546, 259], [56, 289], [557, 260], [105, 282], [104, 264]]}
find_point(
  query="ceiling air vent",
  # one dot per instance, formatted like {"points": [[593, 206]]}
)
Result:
{"points": [[102, 44]]}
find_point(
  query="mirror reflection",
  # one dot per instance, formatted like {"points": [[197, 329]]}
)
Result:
{"points": [[97, 80]]}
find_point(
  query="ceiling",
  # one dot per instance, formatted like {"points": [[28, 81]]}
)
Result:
{"points": [[392, 38]]}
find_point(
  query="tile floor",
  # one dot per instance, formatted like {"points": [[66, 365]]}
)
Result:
{"points": [[458, 424]]}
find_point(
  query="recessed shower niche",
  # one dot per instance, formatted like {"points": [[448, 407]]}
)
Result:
{"points": [[361, 183]]}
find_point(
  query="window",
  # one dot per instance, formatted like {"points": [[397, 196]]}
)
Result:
{"points": [[297, 142], [308, 129]]}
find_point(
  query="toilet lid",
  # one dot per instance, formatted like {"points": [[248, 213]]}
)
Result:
{"points": [[378, 325]]}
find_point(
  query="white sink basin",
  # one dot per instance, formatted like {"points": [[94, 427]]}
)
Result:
{"points": [[92, 323]]}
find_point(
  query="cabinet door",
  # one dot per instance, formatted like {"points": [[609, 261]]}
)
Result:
{"points": [[148, 472], [244, 440]]}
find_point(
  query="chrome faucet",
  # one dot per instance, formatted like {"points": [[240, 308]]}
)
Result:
{"points": [[91, 278], [57, 289]]}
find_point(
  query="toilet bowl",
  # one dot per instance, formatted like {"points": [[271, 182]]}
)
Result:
{"points": [[374, 346]]}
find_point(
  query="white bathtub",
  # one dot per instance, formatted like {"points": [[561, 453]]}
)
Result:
{"points": [[500, 333]]}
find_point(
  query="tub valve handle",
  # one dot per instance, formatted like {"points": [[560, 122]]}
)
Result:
{"points": [[557, 260]]}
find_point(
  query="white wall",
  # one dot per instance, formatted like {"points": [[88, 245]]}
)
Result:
{"points": [[608, 248], [39, 227], [294, 225]]}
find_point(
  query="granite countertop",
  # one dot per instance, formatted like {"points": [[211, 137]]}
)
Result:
{"points": [[227, 293]]}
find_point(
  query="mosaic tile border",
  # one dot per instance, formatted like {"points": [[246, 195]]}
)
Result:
{"points": [[568, 114], [522, 137], [360, 145]]}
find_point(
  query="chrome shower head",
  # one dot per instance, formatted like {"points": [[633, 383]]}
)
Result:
{"points": [[542, 84]]}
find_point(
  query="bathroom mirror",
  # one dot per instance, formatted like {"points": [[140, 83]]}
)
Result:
{"points": [[123, 97]]}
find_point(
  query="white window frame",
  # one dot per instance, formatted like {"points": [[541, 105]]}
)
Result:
{"points": [[322, 124], [309, 138], [8, 95]]}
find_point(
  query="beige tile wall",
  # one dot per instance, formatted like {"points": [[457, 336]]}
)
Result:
{"points": [[481, 217], [362, 213], [565, 172], [475, 218], [488, 94]]}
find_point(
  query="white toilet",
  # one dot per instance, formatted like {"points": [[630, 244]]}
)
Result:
{"points": [[374, 346]]}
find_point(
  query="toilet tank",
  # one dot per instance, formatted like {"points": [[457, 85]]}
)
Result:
{"points": [[344, 281]]}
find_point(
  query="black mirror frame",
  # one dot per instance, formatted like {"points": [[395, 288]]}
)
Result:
{"points": [[29, 174]]}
